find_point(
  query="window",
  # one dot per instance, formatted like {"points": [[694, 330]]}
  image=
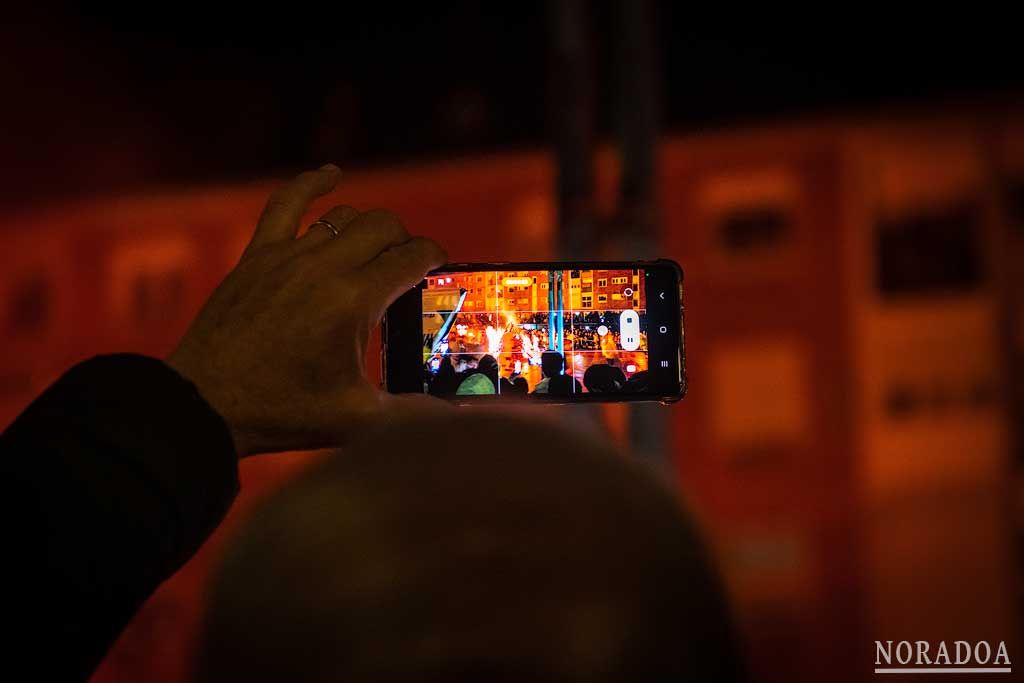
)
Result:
{"points": [[149, 282], [574, 275], [753, 228], [587, 287], [602, 298], [157, 296], [524, 301], [602, 282], [586, 302], [932, 251], [29, 305], [543, 285], [902, 401], [620, 280]]}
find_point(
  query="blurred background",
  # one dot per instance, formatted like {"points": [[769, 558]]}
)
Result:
{"points": [[845, 194]]}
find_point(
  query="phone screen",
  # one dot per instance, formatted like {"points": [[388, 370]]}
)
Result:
{"points": [[561, 333]]}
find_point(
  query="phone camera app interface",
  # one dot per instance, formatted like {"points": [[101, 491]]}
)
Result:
{"points": [[537, 332]]}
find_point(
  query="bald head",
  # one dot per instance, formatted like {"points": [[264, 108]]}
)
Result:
{"points": [[469, 546]]}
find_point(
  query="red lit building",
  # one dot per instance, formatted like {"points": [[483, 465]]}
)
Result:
{"points": [[854, 307], [615, 290]]}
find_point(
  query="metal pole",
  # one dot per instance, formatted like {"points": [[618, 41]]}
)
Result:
{"points": [[552, 330], [559, 308], [571, 99], [635, 231]]}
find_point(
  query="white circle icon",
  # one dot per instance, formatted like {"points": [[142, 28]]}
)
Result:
{"points": [[602, 330], [627, 292]]}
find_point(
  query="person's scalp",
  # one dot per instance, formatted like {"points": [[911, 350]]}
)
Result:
{"points": [[451, 540]]}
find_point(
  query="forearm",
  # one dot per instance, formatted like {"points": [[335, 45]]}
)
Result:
{"points": [[116, 474]]}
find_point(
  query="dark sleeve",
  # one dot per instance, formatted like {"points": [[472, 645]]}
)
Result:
{"points": [[114, 477]]}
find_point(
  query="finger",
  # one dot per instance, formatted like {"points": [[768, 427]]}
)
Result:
{"points": [[286, 206], [402, 267], [339, 217], [365, 237]]}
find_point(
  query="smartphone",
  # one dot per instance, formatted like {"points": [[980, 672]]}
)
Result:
{"points": [[556, 331]]}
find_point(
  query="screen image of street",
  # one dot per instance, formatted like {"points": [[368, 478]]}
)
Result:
{"points": [[554, 332]]}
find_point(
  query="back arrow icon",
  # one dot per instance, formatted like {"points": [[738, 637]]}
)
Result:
{"points": [[662, 296]]}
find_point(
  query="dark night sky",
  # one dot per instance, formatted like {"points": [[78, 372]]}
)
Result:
{"points": [[112, 99]]}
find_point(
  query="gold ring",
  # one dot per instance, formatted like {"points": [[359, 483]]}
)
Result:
{"points": [[327, 224]]}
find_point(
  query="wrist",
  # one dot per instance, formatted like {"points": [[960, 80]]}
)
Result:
{"points": [[187, 371]]}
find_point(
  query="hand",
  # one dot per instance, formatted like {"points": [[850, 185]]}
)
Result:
{"points": [[278, 350]]}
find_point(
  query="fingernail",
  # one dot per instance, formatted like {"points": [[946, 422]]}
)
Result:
{"points": [[329, 168]]}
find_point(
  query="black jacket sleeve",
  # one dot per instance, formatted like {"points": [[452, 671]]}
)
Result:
{"points": [[114, 477]]}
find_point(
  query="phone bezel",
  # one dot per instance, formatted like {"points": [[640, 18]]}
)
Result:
{"points": [[400, 326]]}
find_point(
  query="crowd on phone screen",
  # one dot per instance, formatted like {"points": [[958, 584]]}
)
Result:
{"points": [[468, 376]]}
